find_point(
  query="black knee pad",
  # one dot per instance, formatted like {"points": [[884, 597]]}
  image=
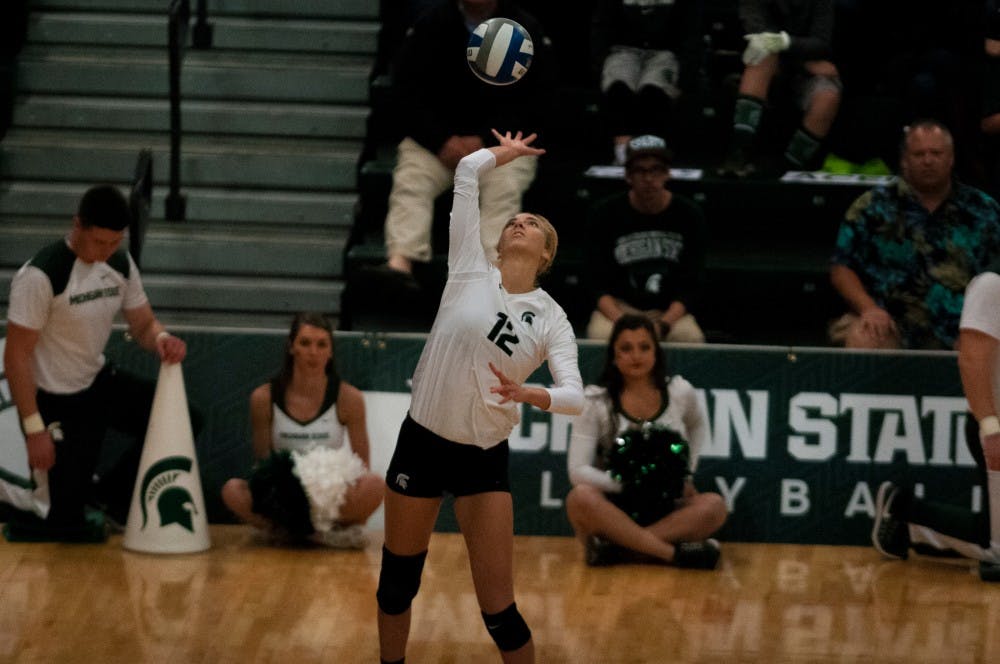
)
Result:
{"points": [[507, 628], [398, 581]]}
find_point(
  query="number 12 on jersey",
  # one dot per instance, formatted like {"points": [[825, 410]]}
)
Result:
{"points": [[502, 340]]}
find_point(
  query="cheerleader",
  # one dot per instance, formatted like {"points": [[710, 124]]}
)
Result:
{"points": [[631, 456], [308, 482]]}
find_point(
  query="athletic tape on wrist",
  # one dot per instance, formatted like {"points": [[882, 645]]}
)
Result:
{"points": [[162, 335], [33, 424], [989, 425]]}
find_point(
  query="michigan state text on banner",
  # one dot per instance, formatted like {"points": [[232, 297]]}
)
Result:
{"points": [[801, 438]]}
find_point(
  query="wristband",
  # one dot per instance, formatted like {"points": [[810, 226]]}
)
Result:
{"points": [[162, 335], [35, 424], [989, 425]]}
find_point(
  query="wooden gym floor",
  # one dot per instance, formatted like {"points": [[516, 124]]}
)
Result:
{"points": [[244, 601]]}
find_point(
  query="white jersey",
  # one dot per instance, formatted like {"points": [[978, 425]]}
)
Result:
{"points": [[683, 414], [72, 304], [981, 312], [324, 430], [478, 322]]}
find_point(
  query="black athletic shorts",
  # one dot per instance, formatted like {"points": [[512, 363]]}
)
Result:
{"points": [[425, 465]]}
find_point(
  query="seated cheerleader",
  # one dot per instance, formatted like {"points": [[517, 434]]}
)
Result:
{"points": [[631, 457], [307, 483]]}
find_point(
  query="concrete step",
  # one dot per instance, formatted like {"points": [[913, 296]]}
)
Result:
{"points": [[221, 294], [196, 249], [251, 208], [143, 72], [206, 161], [197, 117], [229, 33], [301, 8], [181, 321]]}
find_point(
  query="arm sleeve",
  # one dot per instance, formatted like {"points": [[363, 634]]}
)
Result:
{"points": [[583, 450], [30, 298], [465, 249], [695, 419], [567, 394]]}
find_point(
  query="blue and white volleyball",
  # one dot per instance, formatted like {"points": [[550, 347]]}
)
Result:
{"points": [[500, 51]]}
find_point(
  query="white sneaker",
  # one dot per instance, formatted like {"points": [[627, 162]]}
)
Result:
{"points": [[341, 537]]}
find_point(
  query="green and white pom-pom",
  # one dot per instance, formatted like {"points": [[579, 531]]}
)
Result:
{"points": [[326, 474]]}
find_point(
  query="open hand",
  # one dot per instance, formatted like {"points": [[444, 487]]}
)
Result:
{"points": [[520, 143], [507, 389]]}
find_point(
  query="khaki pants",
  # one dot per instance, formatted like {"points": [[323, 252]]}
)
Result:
{"points": [[420, 177], [685, 330]]}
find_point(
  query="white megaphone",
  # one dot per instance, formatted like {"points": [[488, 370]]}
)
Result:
{"points": [[167, 514]]}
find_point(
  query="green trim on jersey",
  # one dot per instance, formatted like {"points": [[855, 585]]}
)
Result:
{"points": [[56, 261], [119, 262]]}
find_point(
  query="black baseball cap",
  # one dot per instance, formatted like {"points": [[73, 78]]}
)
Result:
{"points": [[648, 145]]}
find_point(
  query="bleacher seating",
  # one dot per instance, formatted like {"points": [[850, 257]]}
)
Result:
{"points": [[274, 119], [766, 273]]}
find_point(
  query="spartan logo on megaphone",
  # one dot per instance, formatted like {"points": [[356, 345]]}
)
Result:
{"points": [[161, 485]]}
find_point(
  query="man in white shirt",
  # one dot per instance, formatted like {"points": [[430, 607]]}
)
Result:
{"points": [[63, 303]]}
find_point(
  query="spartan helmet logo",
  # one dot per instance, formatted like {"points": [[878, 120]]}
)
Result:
{"points": [[176, 506], [160, 485], [528, 317]]}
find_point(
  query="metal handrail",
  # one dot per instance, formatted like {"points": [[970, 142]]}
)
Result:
{"points": [[178, 20], [140, 200]]}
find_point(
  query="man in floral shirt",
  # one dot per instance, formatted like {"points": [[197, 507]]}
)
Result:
{"points": [[906, 251]]}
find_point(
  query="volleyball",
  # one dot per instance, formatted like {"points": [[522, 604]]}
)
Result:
{"points": [[500, 51]]}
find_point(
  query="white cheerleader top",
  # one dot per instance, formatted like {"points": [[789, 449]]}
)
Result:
{"points": [[288, 433]]}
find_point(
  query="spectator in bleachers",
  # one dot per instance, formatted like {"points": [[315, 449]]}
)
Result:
{"points": [[791, 40], [447, 114], [646, 249], [904, 521], [647, 55], [640, 422], [906, 251], [307, 407]]}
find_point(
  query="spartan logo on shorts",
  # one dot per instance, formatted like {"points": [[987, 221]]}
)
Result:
{"points": [[160, 486]]}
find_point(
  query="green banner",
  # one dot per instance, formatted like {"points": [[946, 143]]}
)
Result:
{"points": [[800, 438]]}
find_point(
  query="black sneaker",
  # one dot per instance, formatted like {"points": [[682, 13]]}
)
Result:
{"points": [[599, 552], [697, 555], [890, 536], [989, 571]]}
